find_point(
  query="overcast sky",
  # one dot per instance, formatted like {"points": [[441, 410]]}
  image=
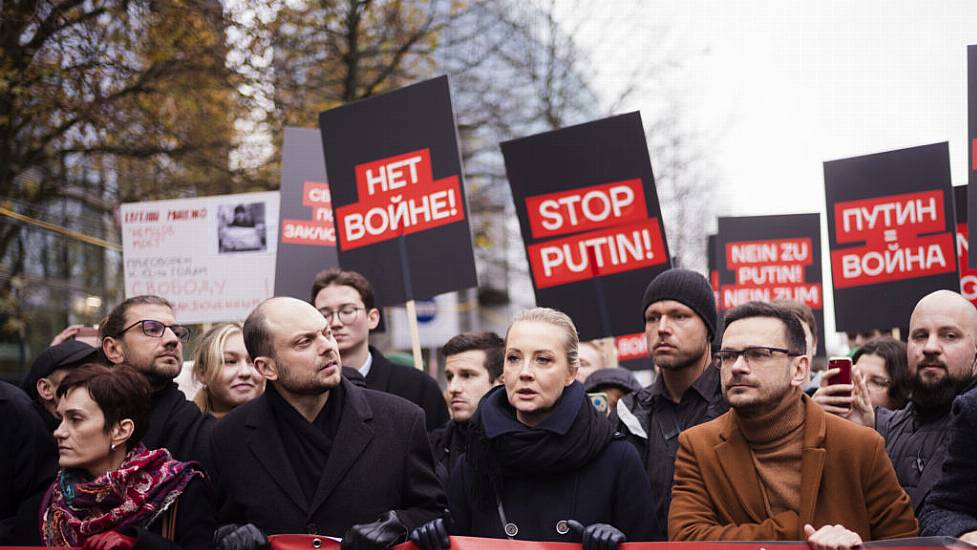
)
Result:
{"points": [[777, 87]]}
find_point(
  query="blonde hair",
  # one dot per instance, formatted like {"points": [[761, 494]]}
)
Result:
{"points": [[571, 341], [208, 360]]}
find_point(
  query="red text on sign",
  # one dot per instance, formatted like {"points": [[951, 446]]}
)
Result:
{"points": [[393, 174], [910, 258], [586, 208], [968, 276], [433, 205], [597, 253], [631, 346], [776, 252], [867, 219], [319, 231]]}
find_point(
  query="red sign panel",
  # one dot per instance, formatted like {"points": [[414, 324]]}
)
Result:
{"points": [[398, 196], [892, 229]]}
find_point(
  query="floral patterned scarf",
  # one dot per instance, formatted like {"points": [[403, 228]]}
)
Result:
{"points": [[133, 495]]}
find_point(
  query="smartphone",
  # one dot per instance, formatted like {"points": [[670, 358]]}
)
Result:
{"points": [[599, 401], [88, 335], [844, 364]]}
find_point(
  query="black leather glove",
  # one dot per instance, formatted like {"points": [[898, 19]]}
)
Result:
{"points": [[385, 532], [599, 536], [239, 537], [433, 535]]}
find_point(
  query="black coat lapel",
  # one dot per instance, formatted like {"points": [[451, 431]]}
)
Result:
{"points": [[352, 438], [266, 444], [379, 376]]}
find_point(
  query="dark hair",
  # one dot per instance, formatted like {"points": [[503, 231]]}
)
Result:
{"points": [[794, 332], [893, 353], [805, 314], [121, 392], [489, 342], [257, 338], [116, 321], [337, 277]]}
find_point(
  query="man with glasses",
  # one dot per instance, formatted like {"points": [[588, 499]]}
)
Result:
{"points": [[776, 466], [345, 299], [143, 333]]}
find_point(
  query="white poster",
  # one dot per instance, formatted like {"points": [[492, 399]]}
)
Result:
{"points": [[213, 258], [437, 322]]}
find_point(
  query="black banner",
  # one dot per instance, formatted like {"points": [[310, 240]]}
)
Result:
{"points": [[398, 193], [770, 258], [972, 142], [891, 234], [591, 222], [306, 236]]}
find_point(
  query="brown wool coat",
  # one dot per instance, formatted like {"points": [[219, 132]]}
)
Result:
{"points": [[846, 478]]}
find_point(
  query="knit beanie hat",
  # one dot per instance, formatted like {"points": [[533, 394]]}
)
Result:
{"points": [[687, 287]]}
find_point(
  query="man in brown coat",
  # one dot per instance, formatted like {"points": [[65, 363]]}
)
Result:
{"points": [[776, 466]]}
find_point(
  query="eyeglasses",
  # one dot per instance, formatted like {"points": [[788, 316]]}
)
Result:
{"points": [[878, 382], [753, 355], [157, 328], [346, 314]]}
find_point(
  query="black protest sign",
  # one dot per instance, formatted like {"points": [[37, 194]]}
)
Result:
{"points": [[398, 193], [590, 219], [968, 275], [307, 238], [891, 234], [770, 258], [712, 264], [972, 142]]}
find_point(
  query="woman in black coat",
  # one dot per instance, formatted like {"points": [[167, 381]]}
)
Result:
{"points": [[543, 464], [111, 492]]}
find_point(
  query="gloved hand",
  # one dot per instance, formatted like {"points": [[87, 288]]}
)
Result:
{"points": [[433, 535], [385, 532], [109, 540], [599, 536], [239, 537]]}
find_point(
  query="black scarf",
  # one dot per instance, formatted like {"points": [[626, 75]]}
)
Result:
{"points": [[571, 436], [307, 444]]}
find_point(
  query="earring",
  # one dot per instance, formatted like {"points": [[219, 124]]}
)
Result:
{"points": [[113, 446]]}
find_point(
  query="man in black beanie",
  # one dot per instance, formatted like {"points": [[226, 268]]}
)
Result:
{"points": [[680, 322]]}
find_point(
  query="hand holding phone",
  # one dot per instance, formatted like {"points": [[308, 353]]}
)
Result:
{"points": [[843, 364]]}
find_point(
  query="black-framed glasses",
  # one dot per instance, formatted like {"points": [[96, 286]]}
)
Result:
{"points": [[151, 327], [347, 314], [753, 355]]}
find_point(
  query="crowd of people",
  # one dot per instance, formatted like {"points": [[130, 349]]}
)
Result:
{"points": [[302, 427]]}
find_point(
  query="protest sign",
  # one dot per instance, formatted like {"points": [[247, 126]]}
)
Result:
{"points": [[891, 234], [590, 219], [398, 193], [972, 141], [632, 351], [770, 258], [712, 265], [308, 237], [213, 258], [968, 275]]}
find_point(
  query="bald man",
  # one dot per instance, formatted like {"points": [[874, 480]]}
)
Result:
{"points": [[317, 454], [942, 353]]}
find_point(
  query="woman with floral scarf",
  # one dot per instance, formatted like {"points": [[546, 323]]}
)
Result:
{"points": [[111, 492]]}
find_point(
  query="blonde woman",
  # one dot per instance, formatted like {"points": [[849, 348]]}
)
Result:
{"points": [[221, 363]]}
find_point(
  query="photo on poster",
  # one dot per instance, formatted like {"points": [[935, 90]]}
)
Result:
{"points": [[241, 228]]}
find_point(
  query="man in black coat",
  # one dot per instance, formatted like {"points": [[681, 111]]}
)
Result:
{"points": [[28, 457], [942, 355], [345, 298], [950, 509], [142, 332], [315, 453], [472, 366]]}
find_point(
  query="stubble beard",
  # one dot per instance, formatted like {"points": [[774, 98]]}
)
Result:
{"points": [[683, 361]]}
